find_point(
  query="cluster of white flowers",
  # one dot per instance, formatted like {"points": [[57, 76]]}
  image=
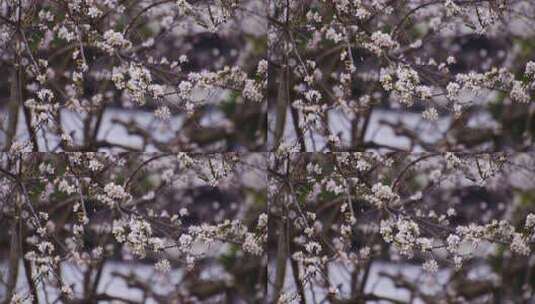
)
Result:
{"points": [[95, 165], [113, 42], [354, 7], [520, 245], [380, 43], [495, 78], [430, 266], [42, 112], [363, 165], [163, 265], [310, 260], [454, 242], [496, 230], [289, 298], [65, 186], [530, 70], [382, 195], [183, 6], [163, 112], [234, 231], [403, 234], [530, 221], [519, 93], [46, 168], [139, 83], [94, 12], [430, 114], [453, 89], [114, 194], [65, 34], [332, 34], [262, 68], [252, 245], [136, 233], [252, 91], [452, 160], [45, 258], [406, 85], [228, 77], [452, 9], [262, 221], [332, 186]]}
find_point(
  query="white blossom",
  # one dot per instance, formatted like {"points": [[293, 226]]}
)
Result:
{"points": [[430, 266]]}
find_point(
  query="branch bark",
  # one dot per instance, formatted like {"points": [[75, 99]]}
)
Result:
{"points": [[13, 266]]}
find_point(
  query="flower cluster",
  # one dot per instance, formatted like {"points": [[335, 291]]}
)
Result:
{"points": [[114, 194], [380, 43], [382, 196], [114, 41]]}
